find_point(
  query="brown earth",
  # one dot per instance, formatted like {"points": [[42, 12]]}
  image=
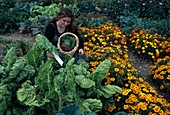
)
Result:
{"points": [[13, 37]]}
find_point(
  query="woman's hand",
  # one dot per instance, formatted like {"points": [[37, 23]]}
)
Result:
{"points": [[50, 54], [81, 52]]}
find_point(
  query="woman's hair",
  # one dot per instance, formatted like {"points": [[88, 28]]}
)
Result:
{"points": [[66, 12]]}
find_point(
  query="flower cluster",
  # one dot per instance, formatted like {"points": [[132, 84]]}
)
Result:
{"points": [[106, 35], [147, 44], [160, 72]]}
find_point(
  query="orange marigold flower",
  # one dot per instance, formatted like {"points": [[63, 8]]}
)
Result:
{"points": [[110, 109]]}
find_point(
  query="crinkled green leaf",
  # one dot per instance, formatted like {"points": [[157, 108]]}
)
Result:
{"points": [[43, 42], [27, 95], [109, 90], [84, 82], [100, 72], [16, 68], [10, 59], [92, 105], [5, 98], [81, 70], [35, 56], [45, 76]]}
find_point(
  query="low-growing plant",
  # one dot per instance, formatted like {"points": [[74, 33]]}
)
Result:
{"points": [[160, 73], [148, 45], [48, 86]]}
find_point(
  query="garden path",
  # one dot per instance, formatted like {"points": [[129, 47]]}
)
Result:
{"points": [[143, 67]]}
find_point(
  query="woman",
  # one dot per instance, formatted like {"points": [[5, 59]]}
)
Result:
{"points": [[64, 22]]}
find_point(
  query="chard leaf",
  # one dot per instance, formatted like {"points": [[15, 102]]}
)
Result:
{"points": [[43, 42], [64, 81], [27, 95], [92, 105], [109, 90], [45, 76], [18, 67], [84, 82], [100, 72], [35, 56], [80, 70], [10, 59], [5, 98], [69, 81]]}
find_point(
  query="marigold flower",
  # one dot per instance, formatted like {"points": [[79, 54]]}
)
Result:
{"points": [[125, 106], [156, 109], [116, 69]]}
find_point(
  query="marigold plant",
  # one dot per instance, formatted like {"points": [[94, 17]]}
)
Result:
{"points": [[149, 45], [160, 72]]}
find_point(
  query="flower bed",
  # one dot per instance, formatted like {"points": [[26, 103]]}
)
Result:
{"points": [[139, 96]]}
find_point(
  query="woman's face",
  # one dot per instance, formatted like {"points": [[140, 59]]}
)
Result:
{"points": [[64, 22]]}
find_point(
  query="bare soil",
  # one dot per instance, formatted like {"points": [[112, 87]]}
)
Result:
{"points": [[13, 37], [18, 36]]}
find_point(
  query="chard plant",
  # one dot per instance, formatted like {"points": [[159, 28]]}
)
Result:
{"points": [[41, 83]]}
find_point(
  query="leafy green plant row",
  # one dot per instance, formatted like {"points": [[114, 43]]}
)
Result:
{"points": [[33, 82]]}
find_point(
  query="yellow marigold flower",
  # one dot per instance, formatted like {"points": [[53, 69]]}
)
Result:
{"points": [[118, 99], [161, 112], [126, 91], [143, 51], [126, 85], [116, 69], [150, 113], [161, 87], [143, 106], [168, 78], [146, 46], [133, 108], [121, 72], [129, 65], [93, 38], [156, 109], [141, 79], [125, 107], [110, 109], [153, 57], [104, 43], [143, 48], [161, 77], [85, 35], [112, 79]]}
